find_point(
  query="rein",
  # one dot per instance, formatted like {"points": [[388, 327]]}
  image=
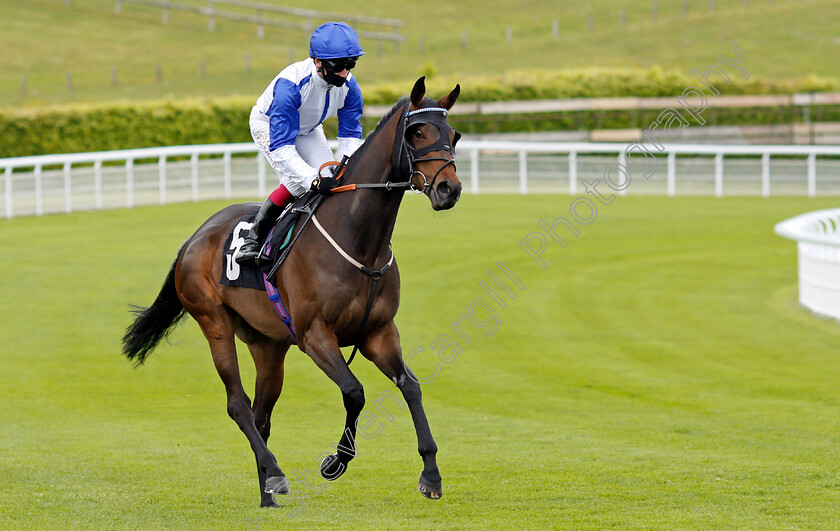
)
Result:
{"points": [[352, 187]]}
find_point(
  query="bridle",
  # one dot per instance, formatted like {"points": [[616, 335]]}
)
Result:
{"points": [[406, 156]]}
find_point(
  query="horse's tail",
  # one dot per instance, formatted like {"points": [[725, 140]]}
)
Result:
{"points": [[154, 323]]}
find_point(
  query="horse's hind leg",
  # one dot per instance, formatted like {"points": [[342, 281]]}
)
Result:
{"points": [[269, 357], [383, 349], [321, 345], [217, 325]]}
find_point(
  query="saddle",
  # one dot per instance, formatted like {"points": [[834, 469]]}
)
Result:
{"points": [[276, 248]]}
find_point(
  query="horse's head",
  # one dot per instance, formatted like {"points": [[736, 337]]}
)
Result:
{"points": [[431, 146]]}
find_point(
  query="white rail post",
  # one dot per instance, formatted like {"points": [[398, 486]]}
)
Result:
{"points": [[719, 175], [8, 192], [573, 173], [227, 174], [194, 176], [812, 174], [765, 175], [129, 183], [523, 172], [97, 183], [819, 261], [622, 163], [260, 175], [39, 194], [162, 180], [68, 191], [672, 174], [474, 171]]}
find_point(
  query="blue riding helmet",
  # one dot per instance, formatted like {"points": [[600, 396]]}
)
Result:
{"points": [[334, 40]]}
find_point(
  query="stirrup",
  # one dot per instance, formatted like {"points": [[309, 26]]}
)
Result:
{"points": [[260, 257], [248, 257]]}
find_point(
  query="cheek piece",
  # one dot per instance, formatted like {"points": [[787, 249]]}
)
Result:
{"points": [[437, 117], [408, 156]]}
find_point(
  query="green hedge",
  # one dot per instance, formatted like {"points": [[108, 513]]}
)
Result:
{"points": [[589, 120], [597, 83], [122, 126], [129, 125]]}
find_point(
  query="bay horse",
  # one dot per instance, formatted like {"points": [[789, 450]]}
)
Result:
{"points": [[326, 296]]}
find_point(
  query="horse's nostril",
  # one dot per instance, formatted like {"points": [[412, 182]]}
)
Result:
{"points": [[444, 188]]}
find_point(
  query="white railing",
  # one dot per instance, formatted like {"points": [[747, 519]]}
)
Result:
{"points": [[90, 180], [797, 175], [818, 240], [84, 181]]}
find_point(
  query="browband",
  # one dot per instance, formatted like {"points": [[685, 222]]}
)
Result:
{"points": [[438, 109]]}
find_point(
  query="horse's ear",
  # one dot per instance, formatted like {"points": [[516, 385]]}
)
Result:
{"points": [[418, 92], [449, 100]]}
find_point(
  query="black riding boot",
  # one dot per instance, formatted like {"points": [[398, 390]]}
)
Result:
{"points": [[265, 219]]}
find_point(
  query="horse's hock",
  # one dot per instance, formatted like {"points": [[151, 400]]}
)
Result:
{"points": [[818, 239]]}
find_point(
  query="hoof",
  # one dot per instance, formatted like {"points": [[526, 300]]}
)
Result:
{"points": [[276, 485], [332, 468], [269, 503], [430, 489]]}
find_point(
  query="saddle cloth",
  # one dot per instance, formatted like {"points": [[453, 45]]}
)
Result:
{"points": [[280, 237]]}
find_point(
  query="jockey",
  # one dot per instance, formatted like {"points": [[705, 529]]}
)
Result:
{"points": [[286, 123]]}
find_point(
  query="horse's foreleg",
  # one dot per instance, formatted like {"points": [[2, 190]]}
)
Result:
{"points": [[383, 349], [218, 330], [269, 357], [321, 345]]}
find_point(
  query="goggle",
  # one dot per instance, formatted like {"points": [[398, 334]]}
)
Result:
{"points": [[337, 65]]}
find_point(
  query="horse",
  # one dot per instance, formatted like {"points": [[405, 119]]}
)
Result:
{"points": [[331, 304]]}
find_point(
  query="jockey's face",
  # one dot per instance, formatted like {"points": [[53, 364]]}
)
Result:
{"points": [[321, 70]]}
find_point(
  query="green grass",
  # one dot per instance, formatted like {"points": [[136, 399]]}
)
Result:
{"points": [[44, 39], [658, 373]]}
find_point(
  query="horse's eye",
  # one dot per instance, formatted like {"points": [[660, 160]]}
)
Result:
{"points": [[418, 133]]}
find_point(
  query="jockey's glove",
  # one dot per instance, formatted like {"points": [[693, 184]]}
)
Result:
{"points": [[324, 185]]}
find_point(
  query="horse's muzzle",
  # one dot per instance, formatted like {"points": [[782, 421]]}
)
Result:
{"points": [[445, 194]]}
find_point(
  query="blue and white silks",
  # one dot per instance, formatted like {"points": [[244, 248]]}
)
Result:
{"points": [[286, 123]]}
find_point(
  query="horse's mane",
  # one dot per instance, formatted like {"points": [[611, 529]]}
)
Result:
{"points": [[357, 156], [394, 110]]}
